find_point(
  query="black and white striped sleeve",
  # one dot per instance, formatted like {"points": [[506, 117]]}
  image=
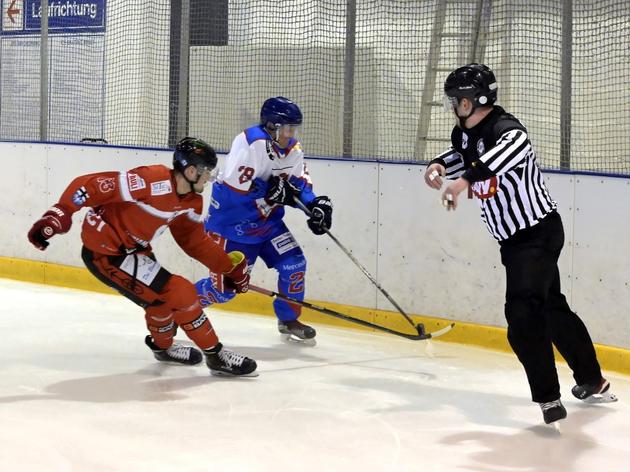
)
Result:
{"points": [[510, 152], [452, 161]]}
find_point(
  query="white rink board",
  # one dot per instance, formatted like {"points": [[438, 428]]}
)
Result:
{"points": [[451, 265], [601, 276]]}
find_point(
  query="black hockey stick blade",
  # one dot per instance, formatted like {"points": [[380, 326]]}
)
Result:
{"points": [[422, 335]]}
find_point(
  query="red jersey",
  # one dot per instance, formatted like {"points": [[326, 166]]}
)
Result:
{"points": [[127, 210]]}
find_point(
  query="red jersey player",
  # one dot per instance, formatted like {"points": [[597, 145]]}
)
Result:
{"points": [[129, 209]]}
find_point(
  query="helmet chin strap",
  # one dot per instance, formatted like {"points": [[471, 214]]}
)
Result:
{"points": [[191, 182], [273, 132]]}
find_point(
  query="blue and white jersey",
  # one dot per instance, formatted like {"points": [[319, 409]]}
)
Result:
{"points": [[238, 209]]}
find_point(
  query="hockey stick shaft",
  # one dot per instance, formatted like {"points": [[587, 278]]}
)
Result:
{"points": [[336, 314], [359, 265]]}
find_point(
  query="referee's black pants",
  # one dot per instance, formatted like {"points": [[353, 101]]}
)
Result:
{"points": [[537, 312]]}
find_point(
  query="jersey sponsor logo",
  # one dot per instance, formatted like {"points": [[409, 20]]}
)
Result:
{"points": [[143, 267], [291, 267], [80, 196], [284, 243], [164, 329], [196, 323], [162, 187], [135, 182], [106, 184], [480, 147], [464, 140], [486, 189]]}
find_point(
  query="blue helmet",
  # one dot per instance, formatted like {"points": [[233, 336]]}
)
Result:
{"points": [[278, 111]]}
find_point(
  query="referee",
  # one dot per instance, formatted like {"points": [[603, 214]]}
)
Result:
{"points": [[491, 153]]}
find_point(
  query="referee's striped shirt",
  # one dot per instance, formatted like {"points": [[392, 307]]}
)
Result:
{"points": [[519, 198]]}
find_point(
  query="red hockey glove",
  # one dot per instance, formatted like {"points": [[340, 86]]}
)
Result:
{"points": [[57, 220], [238, 278]]}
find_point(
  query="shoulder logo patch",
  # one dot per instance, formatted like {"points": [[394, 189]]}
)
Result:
{"points": [[162, 187], [480, 147], [135, 182]]}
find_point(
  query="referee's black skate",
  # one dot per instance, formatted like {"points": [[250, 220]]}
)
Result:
{"points": [[297, 331], [598, 393], [553, 411], [177, 353], [227, 363]]}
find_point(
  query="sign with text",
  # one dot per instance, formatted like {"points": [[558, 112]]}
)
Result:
{"points": [[64, 16]]}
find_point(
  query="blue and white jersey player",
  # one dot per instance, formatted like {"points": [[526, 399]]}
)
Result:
{"points": [[264, 171]]}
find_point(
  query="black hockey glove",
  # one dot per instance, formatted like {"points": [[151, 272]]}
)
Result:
{"points": [[321, 215], [281, 191]]}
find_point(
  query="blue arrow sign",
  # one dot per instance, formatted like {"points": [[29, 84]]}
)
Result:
{"points": [[64, 16]]}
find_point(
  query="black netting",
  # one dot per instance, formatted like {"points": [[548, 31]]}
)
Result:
{"points": [[367, 74]]}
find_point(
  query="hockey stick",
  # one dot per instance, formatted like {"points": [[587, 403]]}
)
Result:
{"points": [[422, 335], [419, 327]]}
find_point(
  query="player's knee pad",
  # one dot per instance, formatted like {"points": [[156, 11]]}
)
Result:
{"points": [[161, 326], [197, 327], [190, 321]]}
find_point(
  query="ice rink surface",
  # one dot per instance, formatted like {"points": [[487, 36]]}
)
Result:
{"points": [[79, 391]]}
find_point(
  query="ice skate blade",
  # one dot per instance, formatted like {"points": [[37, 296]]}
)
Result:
{"points": [[220, 373], [179, 363], [291, 338], [605, 397]]}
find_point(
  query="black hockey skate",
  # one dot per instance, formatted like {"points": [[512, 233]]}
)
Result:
{"points": [[177, 353], [296, 331], [553, 411], [224, 362], [594, 393]]}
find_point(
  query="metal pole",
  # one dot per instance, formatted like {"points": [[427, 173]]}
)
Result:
{"points": [[430, 76], [473, 56], [43, 73], [505, 97], [348, 77], [565, 84], [184, 71]]}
